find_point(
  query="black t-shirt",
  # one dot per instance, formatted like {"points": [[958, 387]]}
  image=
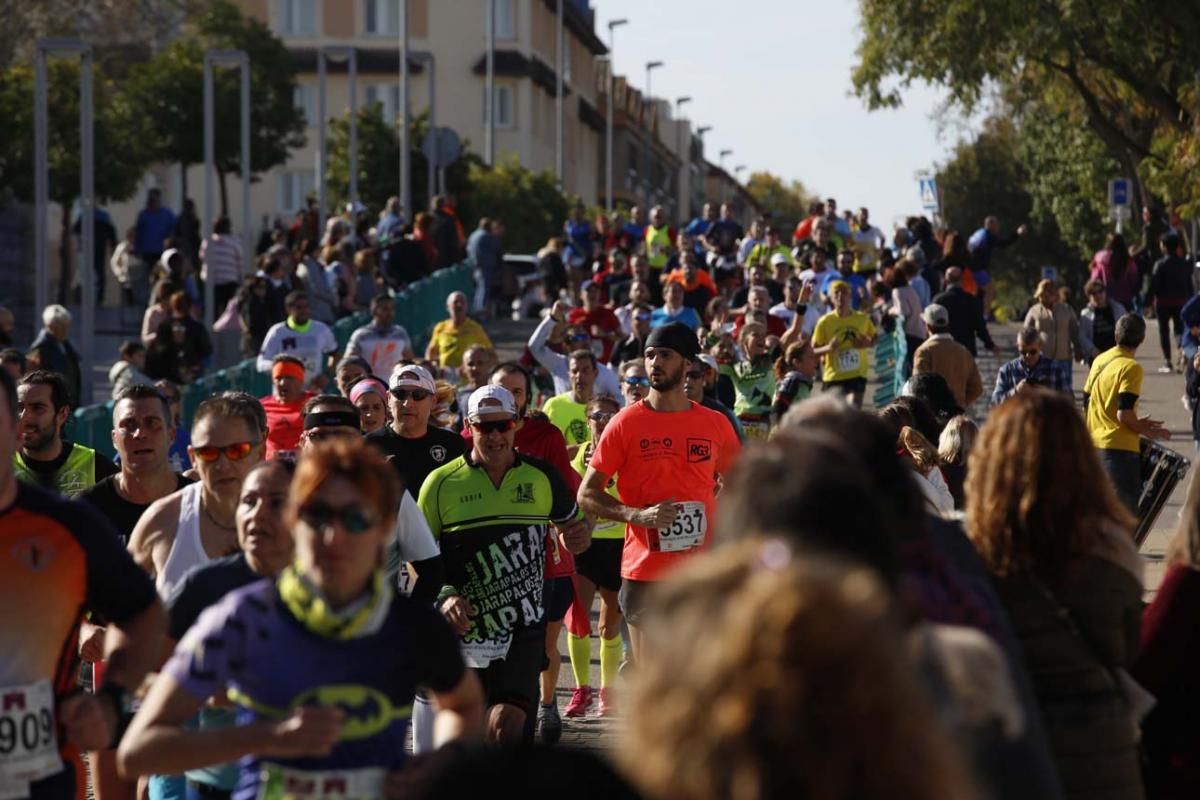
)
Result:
{"points": [[724, 234], [203, 587], [122, 513], [46, 471], [414, 459], [1104, 328]]}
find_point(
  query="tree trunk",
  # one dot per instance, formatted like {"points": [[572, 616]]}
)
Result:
{"points": [[224, 193]]}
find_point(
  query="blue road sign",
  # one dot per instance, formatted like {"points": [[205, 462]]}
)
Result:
{"points": [[1118, 192], [929, 194]]}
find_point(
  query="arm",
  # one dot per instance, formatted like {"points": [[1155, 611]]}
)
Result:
{"points": [[150, 535], [980, 326], [269, 349], [594, 500], [1088, 347], [431, 350], [1003, 387], [556, 363], [460, 711], [431, 575], [1142, 426]]}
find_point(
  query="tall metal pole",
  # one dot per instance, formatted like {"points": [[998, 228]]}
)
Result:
{"points": [[489, 88], [681, 210], [323, 56], [432, 171], [651, 135], [559, 122], [41, 189], [405, 156], [608, 133], [322, 123], [247, 236], [87, 208]]}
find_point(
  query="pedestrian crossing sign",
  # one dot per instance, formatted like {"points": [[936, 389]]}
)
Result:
{"points": [[929, 194]]}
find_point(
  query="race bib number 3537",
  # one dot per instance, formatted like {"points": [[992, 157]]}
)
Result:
{"points": [[687, 532]]}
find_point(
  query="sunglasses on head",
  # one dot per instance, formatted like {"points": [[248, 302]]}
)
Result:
{"points": [[637, 382], [415, 394], [353, 519], [233, 452], [494, 426]]}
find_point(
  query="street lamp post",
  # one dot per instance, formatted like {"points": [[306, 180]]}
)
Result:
{"points": [[608, 133], [652, 131], [683, 209], [489, 88], [559, 155], [721, 162], [405, 156]]}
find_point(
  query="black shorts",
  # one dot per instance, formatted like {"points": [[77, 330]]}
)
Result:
{"points": [[557, 596], [601, 563], [634, 601], [856, 386], [514, 679]]}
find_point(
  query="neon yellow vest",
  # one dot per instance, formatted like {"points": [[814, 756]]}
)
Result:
{"points": [[75, 475], [658, 244]]}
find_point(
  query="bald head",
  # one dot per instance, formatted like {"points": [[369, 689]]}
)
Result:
{"points": [[954, 276]]}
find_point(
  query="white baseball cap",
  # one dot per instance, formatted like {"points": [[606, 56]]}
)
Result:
{"points": [[709, 361], [491, 399], [412, 376], [779, 258]]}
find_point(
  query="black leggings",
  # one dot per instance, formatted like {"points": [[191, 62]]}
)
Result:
{"points": [[1168, 316]]}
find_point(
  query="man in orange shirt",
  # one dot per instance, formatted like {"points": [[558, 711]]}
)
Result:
{"points": [[667, 453], [285, 408], [698, 286]]}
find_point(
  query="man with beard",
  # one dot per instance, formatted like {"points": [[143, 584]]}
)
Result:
{"points": [[667, 453], [43, 457]]}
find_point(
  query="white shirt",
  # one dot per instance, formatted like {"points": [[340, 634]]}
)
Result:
{"points": [[310, 346], [811, 316]]}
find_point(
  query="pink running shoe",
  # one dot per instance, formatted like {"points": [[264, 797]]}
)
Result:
{"points": [[581, 701], [605, 707]]}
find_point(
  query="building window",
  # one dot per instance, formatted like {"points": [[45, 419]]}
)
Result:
{"points": [[388, 97], [504, 114], [506, 19], [298, 17], [381, 17], [294, 188], [304, 97]]}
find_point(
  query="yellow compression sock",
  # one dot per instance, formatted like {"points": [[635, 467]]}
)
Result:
{"points": [[580, 650], [611, 651]]}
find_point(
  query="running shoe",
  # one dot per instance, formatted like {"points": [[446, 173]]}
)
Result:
{"points": [[581, 701], [551, 723], [605, 707], [1165, 369]]}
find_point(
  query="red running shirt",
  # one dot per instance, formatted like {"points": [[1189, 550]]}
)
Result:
{"points": [[659, 456]]}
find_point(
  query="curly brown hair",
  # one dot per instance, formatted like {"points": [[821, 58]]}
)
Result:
{"points": [[1036, 495], [774, 676]]}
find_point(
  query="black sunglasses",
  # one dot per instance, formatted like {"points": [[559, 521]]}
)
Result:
{"points": [[415, 394], [694, 375], [319, 516], [1030, 352], [495, 426]]}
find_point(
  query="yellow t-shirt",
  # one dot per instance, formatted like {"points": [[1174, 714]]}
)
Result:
{"points": [[1113, 373], [452, 343], [658, 246], [844, 362], [605, 528], [569, 417]]}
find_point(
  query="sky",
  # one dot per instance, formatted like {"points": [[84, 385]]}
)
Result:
{"points": [[773, 79]]}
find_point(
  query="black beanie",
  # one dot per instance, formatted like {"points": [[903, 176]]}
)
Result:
{"points": [[675, 336]]}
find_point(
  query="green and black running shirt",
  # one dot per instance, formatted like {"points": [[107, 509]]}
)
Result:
{"points": [[493, 543]]}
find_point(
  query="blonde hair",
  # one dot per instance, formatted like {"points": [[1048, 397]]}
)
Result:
{"points": [[779, 677], [954, 445]]}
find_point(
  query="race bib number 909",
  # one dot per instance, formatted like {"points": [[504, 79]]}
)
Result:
{"points": [[687, 532], [28, 744]]}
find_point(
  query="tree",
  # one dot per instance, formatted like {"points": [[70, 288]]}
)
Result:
{"points": [[1126, 74], [118, 167], [787, 203], [527, 202], [169, 91]]}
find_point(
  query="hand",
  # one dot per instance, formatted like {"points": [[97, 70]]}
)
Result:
{"points": [[660, 516], [806, 292], [311, 731], [559, 311], [458, 612], [1022, 230], [91, 642], [1153, 428], [577, 536], [861, 342], [90, 722]]}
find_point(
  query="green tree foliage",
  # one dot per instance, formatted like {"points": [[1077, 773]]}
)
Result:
{"points": [[527, 202], [787, 202], [1125, 71], [986, 176], [169, 91]]}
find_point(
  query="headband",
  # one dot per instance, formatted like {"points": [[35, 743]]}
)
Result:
{"points": [[287, 368], [349, 419], [367, 385]]}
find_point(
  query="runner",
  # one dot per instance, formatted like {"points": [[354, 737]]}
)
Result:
{"points": [[414, 447], [842, 336], [597, 568], [631, 347], [370, 396], [196, 524], [795, 372], [754, 381], [324, 687], [700, 385], [554, 328], [59, 557], [44, 458], [300, 336], [285, 407], [635, 383], [666, 453], [489, 510], [568, 411], [382, 343], [348, 371]]}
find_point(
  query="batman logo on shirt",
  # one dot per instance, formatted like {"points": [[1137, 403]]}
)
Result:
{"points": [[368, 711]]}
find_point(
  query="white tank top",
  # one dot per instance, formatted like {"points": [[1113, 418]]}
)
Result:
{"points": [[187, 550]]}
